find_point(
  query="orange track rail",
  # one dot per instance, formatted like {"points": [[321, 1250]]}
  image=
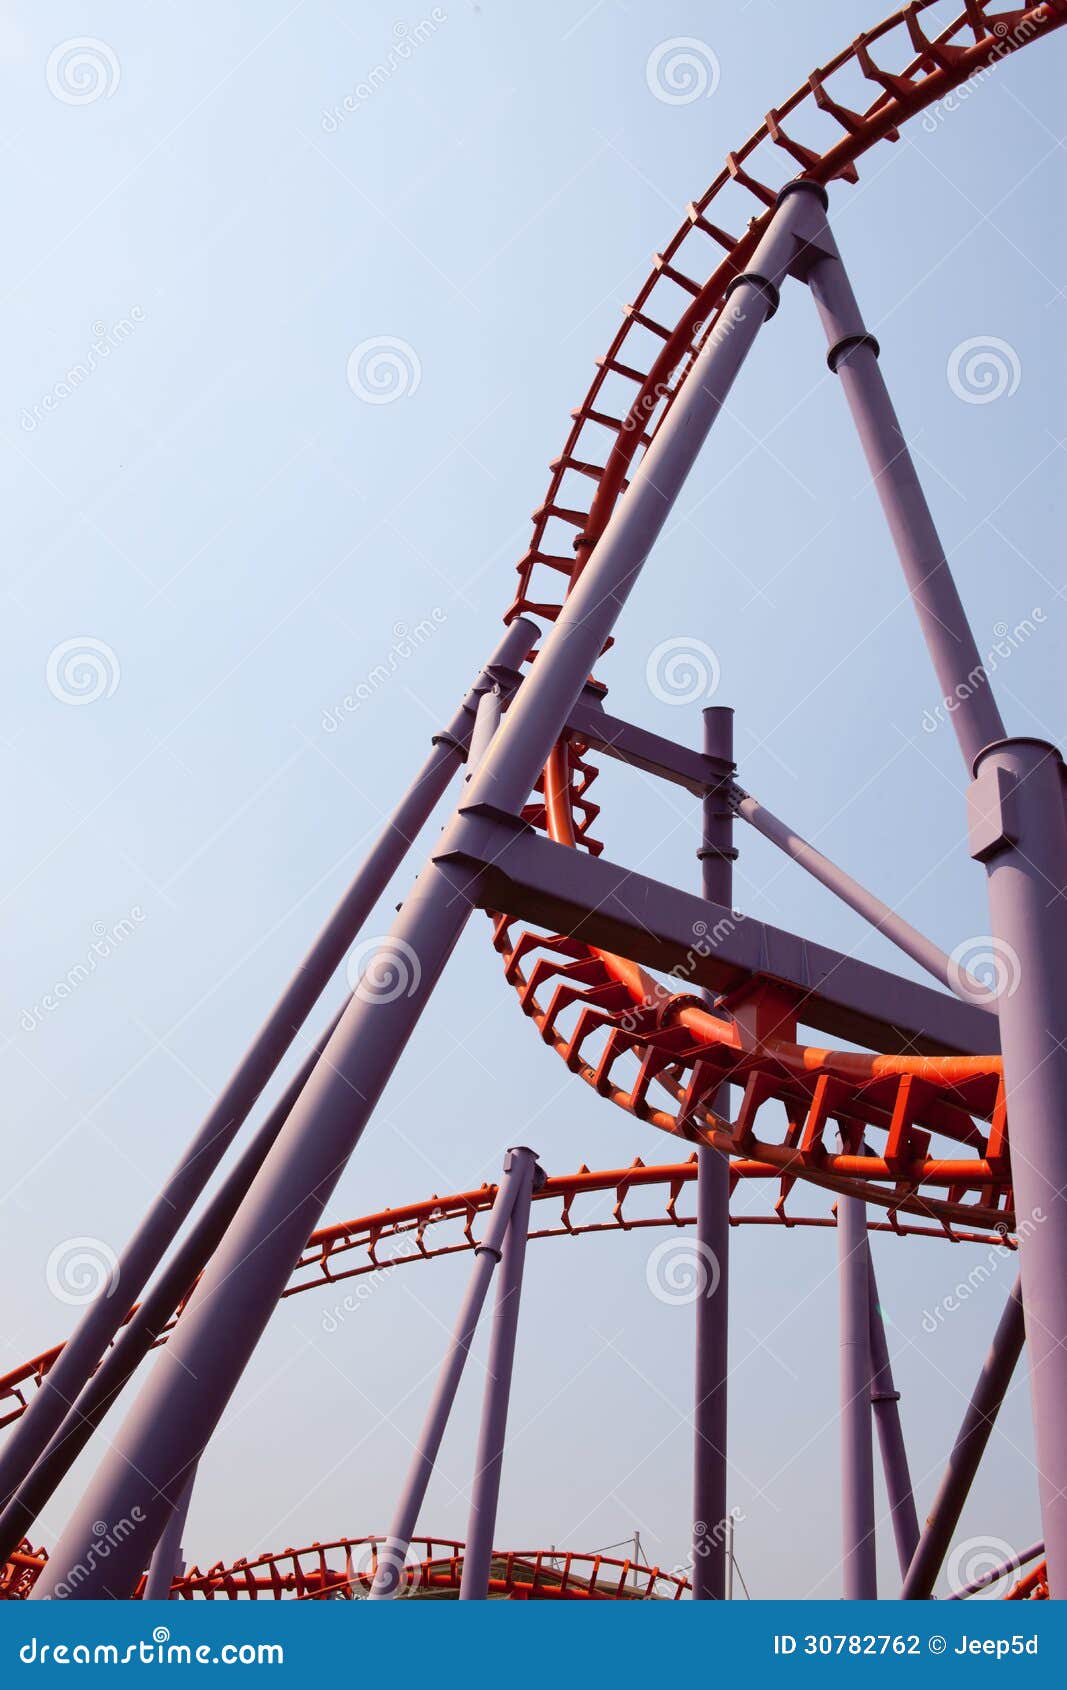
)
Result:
{"points": [[442, 1226], [344, 1570], [663, 1057]]}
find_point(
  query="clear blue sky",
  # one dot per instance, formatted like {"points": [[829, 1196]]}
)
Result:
{"points": [[217, 507]]}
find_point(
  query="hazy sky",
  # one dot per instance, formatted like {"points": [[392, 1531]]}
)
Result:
{"points": [[239, 537]]}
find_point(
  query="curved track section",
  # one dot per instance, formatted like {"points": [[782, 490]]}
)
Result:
{"points": [[610, 1022], [344, 1571], [444, 1226]]}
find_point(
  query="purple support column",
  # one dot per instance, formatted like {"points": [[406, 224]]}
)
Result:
{"points": [[967, 1451], [885, 1399], [481, 1521], [137, 1337], [518, 1173], [710, 1547], [858, 1566], [1018, 830], [160, 1225], [486, 722], [853, 356], [167, 1564], [195, 1375]]}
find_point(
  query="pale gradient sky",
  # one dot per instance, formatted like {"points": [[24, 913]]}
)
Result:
{"points": [[217, 506]]}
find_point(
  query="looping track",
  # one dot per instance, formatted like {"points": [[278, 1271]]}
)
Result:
{"points": [[611, 1023], [444, 1226]]}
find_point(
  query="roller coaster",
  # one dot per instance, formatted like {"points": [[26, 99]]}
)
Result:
{"points": [[668, 1003]]}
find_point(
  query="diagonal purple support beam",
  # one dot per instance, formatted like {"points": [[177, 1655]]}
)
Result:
{"points": [[195, 1375], [485, 1494], [136, 1338], [885, 1400], [900, 932], [1018, 830], [235, 1102], [968, 1449], [519, 1166]]}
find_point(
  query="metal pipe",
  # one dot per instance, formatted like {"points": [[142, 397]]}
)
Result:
{"points": [[1018, 830], [166, 1564], [853, 356], [712, 1308], [859, 1571], [486, 721], [392, 1553], [967, 1451], [136, 1338], [995, 1573], [900, 932], [161, 1224], [481, 1521], [885, 1399], [184, 1396]]}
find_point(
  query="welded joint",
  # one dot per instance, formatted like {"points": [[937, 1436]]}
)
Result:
{"points": [[766, 287], [840, 352], [992, 812]]}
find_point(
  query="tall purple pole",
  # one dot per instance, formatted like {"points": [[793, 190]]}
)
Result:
{"points": [[885, 1402], [712, 1310], [1018, 830], [858, 1563], [160, 1225], [518, 1173], [485, 1493], [194, 1376], [968, 1449]]}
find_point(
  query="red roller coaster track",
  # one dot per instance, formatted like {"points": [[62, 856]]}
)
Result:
{"points": [[663, 1056], [603, 1015]]}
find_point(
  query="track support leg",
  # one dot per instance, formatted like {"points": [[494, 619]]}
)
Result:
{"points": [[885, 1401], [1018, 830], [520, 1168], [481, 1522], [859, 1574], [710, 1466]]}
